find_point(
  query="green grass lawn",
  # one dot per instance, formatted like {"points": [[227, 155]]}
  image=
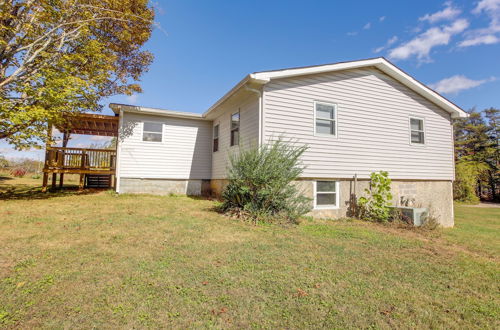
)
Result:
{"points": [[70, 260]]}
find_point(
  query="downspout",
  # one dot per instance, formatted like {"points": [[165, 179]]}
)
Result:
{"points": [[261, 107], [118, 149], [453, 145]]}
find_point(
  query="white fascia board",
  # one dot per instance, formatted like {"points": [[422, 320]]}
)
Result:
{"points": [[315, 69], [154, 111]]}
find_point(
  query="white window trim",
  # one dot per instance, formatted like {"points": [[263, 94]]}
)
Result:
{"points": [[337, 197], [423, 130], [331, 136], [152, 122], [213, 137]]}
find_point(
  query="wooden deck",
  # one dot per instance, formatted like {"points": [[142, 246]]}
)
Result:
{"points": [[82, 161]]}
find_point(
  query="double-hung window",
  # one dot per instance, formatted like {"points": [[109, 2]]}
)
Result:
{"points": [[235, 129], [152, 132], [325, 119], [417, 133], [216, 138], [326, 195]]}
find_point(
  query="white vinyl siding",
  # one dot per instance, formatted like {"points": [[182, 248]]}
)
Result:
{"points": [[372, 126], [183, 153], [248, 133]]}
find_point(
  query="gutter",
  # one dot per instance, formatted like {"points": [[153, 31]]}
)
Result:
{"points": [[152, 111]]}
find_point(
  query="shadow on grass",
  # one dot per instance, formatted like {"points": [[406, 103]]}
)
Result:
{"points": [[4, 178], [28, 192]]}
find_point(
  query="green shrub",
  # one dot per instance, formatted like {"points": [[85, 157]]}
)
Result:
{"points": [[261, 184], [376, 206]]}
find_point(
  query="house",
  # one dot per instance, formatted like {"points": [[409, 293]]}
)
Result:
{"points": [[355, 117]]}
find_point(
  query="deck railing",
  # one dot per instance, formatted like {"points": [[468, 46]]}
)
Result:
{"points": [[80, 159]]}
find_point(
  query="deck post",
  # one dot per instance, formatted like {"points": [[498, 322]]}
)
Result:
{"points": [[80, 186], [54, 180], [45, 181], [47, 145], [65, 141]]}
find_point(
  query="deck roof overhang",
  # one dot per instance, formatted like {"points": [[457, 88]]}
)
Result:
{"points": [[90, 124]]}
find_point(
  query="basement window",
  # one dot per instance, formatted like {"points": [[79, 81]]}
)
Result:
{"points": [[326, 195], [417, 134], [216, 138], [235, 129], [325, 118], [152, 132]]}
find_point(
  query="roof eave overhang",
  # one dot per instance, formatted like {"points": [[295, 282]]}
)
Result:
{"points": [[153, 111], [249, 79]]}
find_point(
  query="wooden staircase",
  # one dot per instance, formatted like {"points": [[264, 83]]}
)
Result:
{"points": [[98, 181]]}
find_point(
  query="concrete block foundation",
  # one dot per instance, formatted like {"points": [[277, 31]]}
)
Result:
{"points": [[164, 186], [437, 196]]}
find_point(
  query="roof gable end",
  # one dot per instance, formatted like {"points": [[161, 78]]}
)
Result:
{"points": [[380, 63]]}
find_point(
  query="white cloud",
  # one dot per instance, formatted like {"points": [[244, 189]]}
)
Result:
{"points": [[132, 99], [488, 35], [448, 13], [392, 40], [381, 18], [422, 45], [389, 42], [457, 83], [487, 39], [487, 6], [367, 26], [352, 34]]}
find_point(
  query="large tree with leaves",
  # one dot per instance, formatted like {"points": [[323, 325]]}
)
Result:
{"points": [[62, 57], [493, 152], [477, 155]]}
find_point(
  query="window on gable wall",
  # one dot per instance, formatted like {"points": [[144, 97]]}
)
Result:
{"points": [[417, 134], [152, 132], [326, 118], [235, 128]]}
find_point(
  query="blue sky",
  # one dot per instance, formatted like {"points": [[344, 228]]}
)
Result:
{"points": [[204, 47]]}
